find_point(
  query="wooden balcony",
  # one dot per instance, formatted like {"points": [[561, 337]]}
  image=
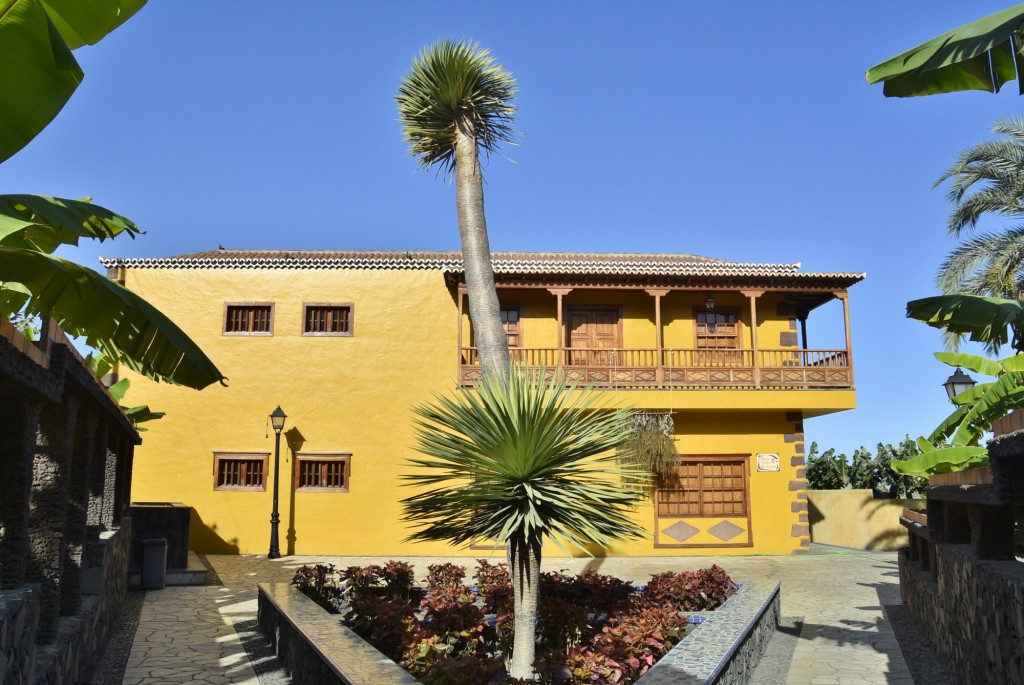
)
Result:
{"points": [[789, 368]]}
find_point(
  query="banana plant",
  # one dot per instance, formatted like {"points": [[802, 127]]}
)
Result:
{"points": [[101, 365], [954, 445], [38, 76], [112, 319], [40, 72]]}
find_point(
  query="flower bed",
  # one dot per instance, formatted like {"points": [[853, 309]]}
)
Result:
{"points": [[591, 627]]}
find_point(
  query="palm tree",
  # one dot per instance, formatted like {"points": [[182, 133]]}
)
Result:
{"points": [[455, 100], [518, 462], [986, 179]]}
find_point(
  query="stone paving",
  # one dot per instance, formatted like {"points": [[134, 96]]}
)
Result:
{"points": [[201, 634]]}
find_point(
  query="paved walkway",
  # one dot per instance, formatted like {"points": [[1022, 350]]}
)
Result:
{"points": [[201, 634]]}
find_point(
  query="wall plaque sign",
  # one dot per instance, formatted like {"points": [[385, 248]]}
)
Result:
{"points": [[767, 462]]}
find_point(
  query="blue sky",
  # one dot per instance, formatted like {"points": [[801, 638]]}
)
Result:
{"points": [[743, 131]]}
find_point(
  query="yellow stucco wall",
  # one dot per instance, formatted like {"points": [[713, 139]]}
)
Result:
{"points": [[352, 395], [855, 519]]}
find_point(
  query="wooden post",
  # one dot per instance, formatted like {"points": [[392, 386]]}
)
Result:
{"points": [[659, 343], [753, 295], [559, 293], [841, 294], [458, 368]]}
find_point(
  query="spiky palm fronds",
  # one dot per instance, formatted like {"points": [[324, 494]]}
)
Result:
{"points": [[987, 264], [521, 461], [987, 178], [450, 85]]}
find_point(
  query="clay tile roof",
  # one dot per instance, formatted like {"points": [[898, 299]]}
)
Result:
{"points": [[524, 263]]}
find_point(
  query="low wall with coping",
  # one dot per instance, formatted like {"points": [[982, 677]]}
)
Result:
{"points": [[855, 519], [73, 656], [316, 649]]}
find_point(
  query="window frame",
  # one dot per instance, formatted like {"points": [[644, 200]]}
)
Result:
{"points": [[219, 457], [264, 334], [329, 334], [343, 457], [737, 337], [703, 459], [518, 332]]}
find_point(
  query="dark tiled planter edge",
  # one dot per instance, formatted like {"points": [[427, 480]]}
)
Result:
{"points": [[315, 648]]}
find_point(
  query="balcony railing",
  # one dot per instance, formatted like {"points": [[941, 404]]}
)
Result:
{"points": [[683, 368]]}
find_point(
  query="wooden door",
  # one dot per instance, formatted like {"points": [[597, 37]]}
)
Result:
{"points": [[594, 335]]}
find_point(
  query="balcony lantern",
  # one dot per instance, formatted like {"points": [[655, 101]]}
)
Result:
{"points": [[709, 303], [957, 383]]}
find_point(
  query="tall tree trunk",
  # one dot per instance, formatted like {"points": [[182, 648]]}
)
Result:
{"points": [[484, 310], [524, 565]]}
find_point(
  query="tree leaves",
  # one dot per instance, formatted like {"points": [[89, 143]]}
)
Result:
{"points": [[528, 459], [39, 72], [114, 320], [981, 55]]}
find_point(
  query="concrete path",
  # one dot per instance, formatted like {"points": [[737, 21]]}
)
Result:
{"points": [[200, 634]]}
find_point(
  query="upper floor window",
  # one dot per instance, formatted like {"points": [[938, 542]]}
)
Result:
{"points": [[717, 336], [249, 318], [510, 321], [240, 471], [322, 472], [717, 329], [320, 318]]}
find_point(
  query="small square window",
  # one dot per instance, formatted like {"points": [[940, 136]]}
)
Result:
{"points": [[249, 318], [322, 472], [240, 471], [327, 318]]}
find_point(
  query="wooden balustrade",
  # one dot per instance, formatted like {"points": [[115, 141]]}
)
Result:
{"points": [[692, 368]]}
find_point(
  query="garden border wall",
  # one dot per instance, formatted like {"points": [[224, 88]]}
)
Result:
{"points": [[315, 648]]}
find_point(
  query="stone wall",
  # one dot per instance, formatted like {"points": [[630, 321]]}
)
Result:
{"points": [[74, 654], [960, 578], [972, 611], [19, 621], [63, 542]]}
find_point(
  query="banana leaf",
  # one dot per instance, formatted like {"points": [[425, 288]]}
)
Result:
{"points": [[42, 223], [142, 414], [990, 320], [39, 72], [113, 319], [981, 55], [1006, 393], [971, 362], [942, 460]]}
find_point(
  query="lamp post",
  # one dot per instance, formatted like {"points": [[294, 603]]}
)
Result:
{"points": [[277, 421], [957, 383]]}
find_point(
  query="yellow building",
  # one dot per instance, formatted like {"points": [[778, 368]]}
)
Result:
{"points": [[347, 342]]}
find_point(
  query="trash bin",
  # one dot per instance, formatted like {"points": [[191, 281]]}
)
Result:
{"points": [[154, 563]]}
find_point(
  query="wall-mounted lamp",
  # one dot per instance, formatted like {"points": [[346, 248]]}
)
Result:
{"points": [[709, 303]]}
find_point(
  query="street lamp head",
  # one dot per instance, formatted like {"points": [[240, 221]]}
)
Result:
{"points": [[957, 383], [277, 419]]}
